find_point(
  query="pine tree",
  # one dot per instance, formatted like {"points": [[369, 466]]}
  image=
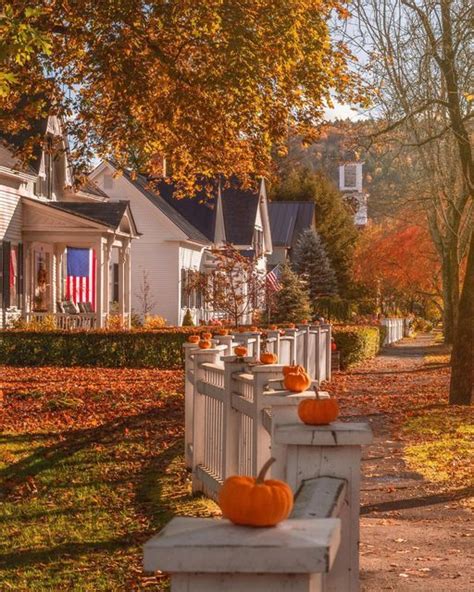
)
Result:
{"points": [[291, 304], [312, 263]]}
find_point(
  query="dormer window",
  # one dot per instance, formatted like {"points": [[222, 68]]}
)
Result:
{"points": [[258, 242], [45, 184], [350, 175]]}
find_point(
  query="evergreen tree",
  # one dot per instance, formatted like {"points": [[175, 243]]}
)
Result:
{"points": [[188, 319], [312, 263], [291, 304], [333, 218]]}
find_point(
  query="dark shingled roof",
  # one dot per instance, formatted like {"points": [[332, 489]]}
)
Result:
{"points": [[110, 214], [288, 219], [18, 140], [240, 210], [196, 215]]}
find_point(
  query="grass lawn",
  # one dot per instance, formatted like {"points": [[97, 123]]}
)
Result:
{"points": [[90, 467]]}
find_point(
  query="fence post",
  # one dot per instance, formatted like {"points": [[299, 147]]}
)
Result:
{"points": [[199, 421], [306, 452], [329, 352], [188, 401], [231, 427]]}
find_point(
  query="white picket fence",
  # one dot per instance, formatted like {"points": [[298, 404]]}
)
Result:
{"points": [[241, 414], [224, 433], [396, 330]]}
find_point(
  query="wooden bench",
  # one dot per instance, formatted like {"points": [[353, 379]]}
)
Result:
{"points": [[207, 555]]}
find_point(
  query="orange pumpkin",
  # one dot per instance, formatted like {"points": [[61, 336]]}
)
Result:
{"points": [[254, 329], [205, 344], [256, 502], [298, 381], [291, 326], [193, 339], [268, 358], [273, 327], [207, 336], [318, 411], [223, 332], [333, 346], [289, 369], [240, 351], [304, 322]]}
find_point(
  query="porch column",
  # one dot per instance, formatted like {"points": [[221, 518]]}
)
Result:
{"points": [[99, 286], [106, 279], [125, 281], [128, 282], [58, 270], [27, 277]]}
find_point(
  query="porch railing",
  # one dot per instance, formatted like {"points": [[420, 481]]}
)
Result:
{"points": [[64, 321]]}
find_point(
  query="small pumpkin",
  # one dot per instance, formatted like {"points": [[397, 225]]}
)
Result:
{"points": [[254, 329], [240, 351], [291, 326], [288, 369], [193, 339], [318, 411], [256, 502], [333, 346], [273, 327], [223, 332], [298, 381], [304, 322], [205, 344], [207, 336], [268, 358]]}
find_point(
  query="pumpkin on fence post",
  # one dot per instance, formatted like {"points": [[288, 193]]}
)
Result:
{"points": [[250, 501], [207, 336], [318, 411], [268, 358], [240, 351], [194, 339], [205, 344], [296, 379]]}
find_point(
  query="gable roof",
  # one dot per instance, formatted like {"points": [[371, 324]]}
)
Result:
{"points": [[108, 214], [196, 215], [163, 204], [288, 219]]}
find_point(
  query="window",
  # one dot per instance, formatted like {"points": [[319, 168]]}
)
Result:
{"points": [[108, 181], [258, 242], [11, 275], [115, 285], [350, 176]]}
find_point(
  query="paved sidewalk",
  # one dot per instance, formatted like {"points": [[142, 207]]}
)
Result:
{"points": [[414, 537]]}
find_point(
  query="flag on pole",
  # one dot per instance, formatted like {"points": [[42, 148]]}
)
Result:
{"points": [[273, 279], [80, 277]]}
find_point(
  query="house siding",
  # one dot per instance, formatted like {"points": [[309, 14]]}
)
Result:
{"points": [[158, 253], [10, 211]]}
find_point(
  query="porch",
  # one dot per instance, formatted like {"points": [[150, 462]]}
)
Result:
{"points": [[56, 293]]}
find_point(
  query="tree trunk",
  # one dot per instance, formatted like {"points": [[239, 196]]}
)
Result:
{"points": [[462, 360], [450, 278]]}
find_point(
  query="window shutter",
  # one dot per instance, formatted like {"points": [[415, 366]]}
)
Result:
{"points": [[6, 274], [183, 287], [115, 279], [20, 272]]}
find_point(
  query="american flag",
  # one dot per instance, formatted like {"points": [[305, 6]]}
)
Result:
{"points": [[273, 279], [80, 280]]}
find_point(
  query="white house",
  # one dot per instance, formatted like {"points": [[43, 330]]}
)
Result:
{"points": [[179, 234], [43, 220]]}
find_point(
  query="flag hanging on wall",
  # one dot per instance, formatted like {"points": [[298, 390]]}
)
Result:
{"points": [[80, 277]]}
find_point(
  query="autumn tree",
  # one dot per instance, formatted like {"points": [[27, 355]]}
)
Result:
{"points": [[398, 266], [333, 218], [312, 263], [212, 85], [419, 69], [232, 287]]}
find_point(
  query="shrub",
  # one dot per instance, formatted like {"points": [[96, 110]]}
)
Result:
{"points": [[109, 349], [188, 319], [357, 343], [154, 322]]}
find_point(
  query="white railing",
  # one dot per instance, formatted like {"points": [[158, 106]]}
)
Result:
{"points": [[64, 321], [395, 330], [241, 415], [309, 346]]}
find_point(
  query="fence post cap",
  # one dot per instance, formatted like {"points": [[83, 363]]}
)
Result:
{"points": [[334, 434], [205, 545]]}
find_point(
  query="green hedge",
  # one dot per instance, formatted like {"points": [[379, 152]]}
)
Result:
{"points": [[357, 343], [134, 349]]}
